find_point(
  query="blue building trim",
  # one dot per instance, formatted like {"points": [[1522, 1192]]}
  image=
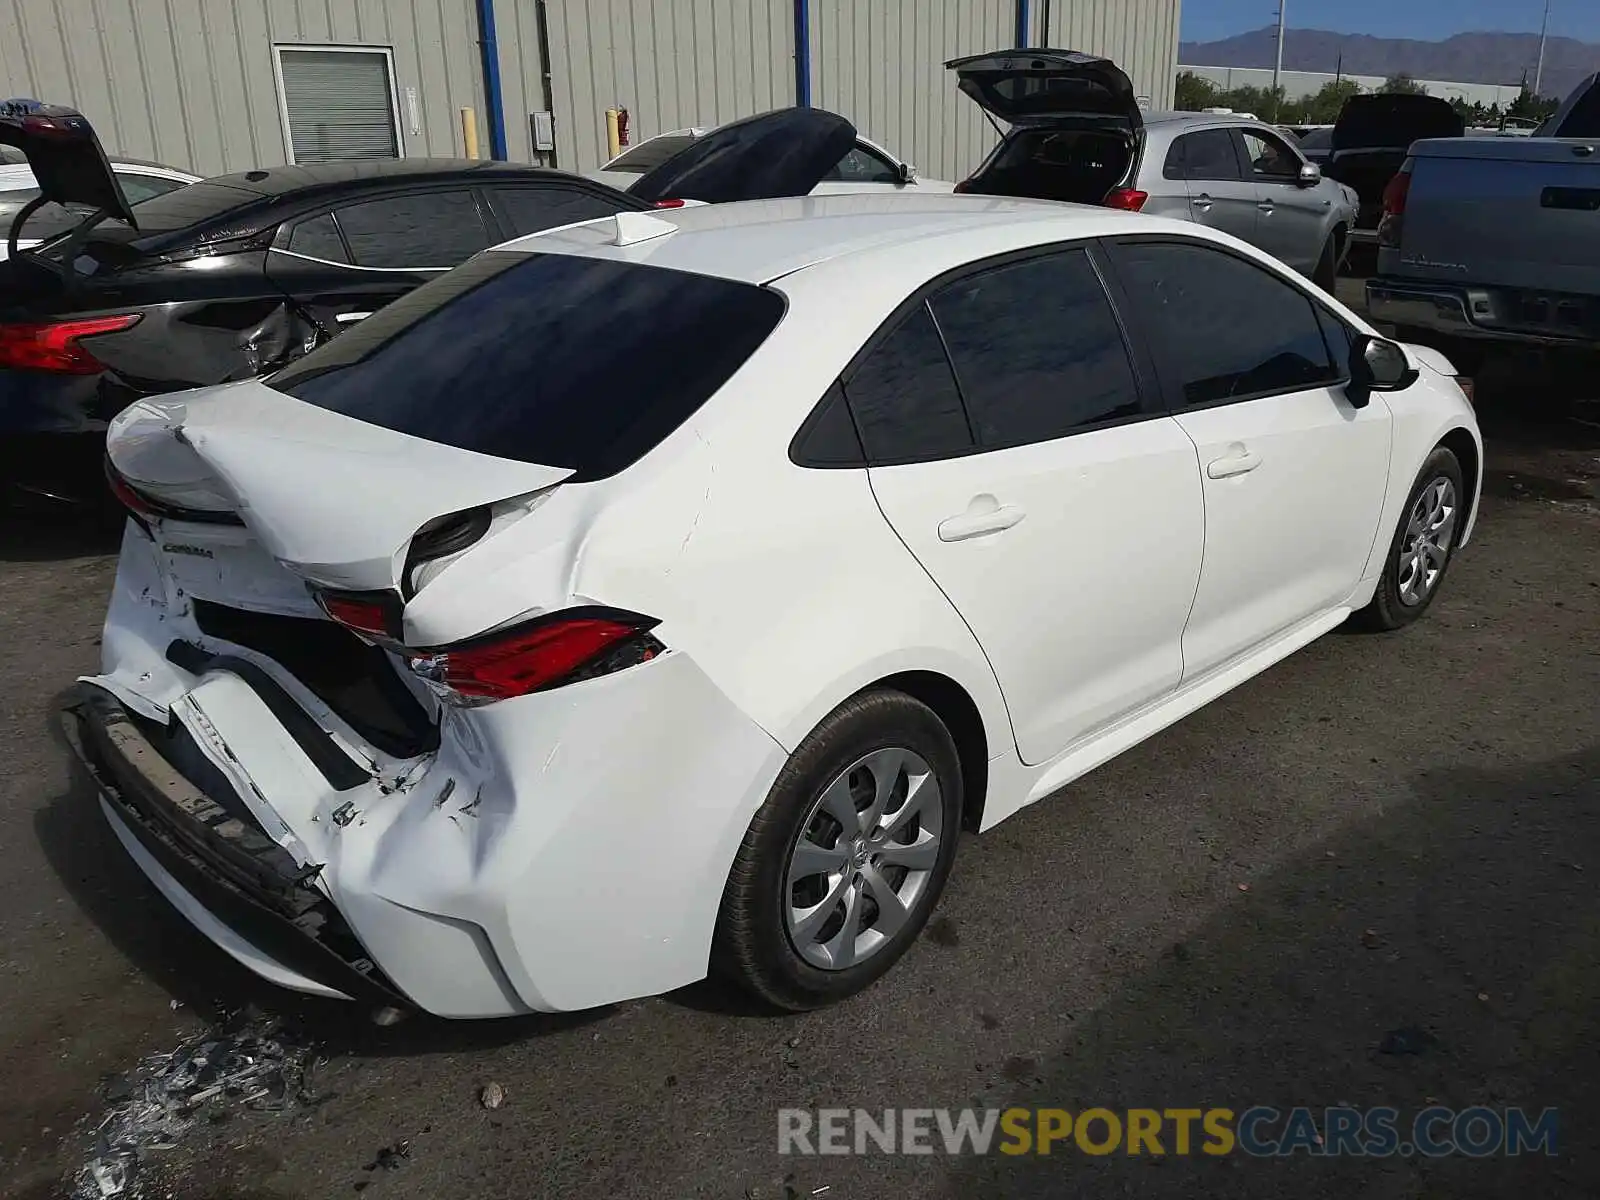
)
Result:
{"points": [[802, 53], [493, 99], [1022, 22]]}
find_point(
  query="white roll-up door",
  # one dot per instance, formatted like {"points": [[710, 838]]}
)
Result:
{"points": [[338, 106]]}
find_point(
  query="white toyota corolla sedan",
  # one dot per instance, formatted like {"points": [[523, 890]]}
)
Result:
{"points": [[663, 595]]}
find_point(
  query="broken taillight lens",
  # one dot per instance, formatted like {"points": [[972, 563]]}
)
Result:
{"points": [[553, 650], [375, 614], [53, 346]]}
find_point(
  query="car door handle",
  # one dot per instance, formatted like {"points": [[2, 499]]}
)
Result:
{"points": [[1265, 206], [349, 318], [983, 516], [1203, 202], [1238, 461]]}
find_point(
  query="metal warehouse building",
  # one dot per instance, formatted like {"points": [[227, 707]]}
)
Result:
{"points": [[227, 85]]}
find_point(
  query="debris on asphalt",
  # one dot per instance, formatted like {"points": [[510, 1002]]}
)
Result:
{"points": [[391, 1157], [1407, 1040], [1371, 939], [492, 1095], [1484, 996], [151, 1107], [1243, 887]]}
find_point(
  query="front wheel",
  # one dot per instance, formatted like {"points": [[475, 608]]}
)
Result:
{"points": [[844, 862], [1430, 528]]}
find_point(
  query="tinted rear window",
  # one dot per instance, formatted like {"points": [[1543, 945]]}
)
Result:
{"points": [[647, 156], [544, 358]]}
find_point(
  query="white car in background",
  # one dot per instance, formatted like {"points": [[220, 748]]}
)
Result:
{"points": [[662, 594], [865, 167], [139, 180]]}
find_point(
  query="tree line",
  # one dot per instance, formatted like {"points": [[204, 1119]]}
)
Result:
{"points": [[1195, 94]]}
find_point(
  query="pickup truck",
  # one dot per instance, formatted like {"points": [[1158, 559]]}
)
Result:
{"points": [[1496, 239]]}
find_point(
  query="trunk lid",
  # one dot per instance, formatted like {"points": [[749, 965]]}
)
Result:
{"points": [[1039, 86], [64, 155], [781, 153], [1392, 122], [336, 500]]}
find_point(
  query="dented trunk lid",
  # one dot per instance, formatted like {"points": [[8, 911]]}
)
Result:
{"points": [[335, 500]]}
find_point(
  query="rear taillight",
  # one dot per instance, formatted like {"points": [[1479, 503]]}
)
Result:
{"points": [[374, 614], [669, 203], [54, 345], [964, 186], [1127, 199], [1392, 223], [562, 648]]}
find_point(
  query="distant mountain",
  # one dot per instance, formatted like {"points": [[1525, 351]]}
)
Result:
{"points": [[1464, 58]]}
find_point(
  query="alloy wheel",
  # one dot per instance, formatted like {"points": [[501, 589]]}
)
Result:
{"points": [[862, 863], [1425, 548]]}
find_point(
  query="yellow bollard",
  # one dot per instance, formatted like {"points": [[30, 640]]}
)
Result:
{"points": [[613, 134], [469, 132]]}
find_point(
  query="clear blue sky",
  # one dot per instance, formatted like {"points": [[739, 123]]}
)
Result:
{"points": [[1207, 20]]}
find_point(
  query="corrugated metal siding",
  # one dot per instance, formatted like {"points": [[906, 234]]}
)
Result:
{"points": [[881, 63], [670, 63], [191, 82], [1141, 35]]}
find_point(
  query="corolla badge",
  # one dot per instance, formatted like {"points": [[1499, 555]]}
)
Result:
{"points": [[1422, 260]]}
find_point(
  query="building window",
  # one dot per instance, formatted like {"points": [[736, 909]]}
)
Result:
{"points": [[338, 103]]}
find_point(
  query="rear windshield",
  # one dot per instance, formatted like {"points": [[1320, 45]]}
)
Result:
{"points": [[647, 156], [544, 358]]}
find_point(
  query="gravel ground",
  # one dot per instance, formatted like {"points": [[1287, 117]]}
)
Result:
{"points": [[1415, 818]]}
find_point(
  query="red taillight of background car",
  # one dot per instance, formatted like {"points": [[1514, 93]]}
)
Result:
{"points": [[670, 203], [530, 658], [1127, 199], [1395, 196], [53, 346]]}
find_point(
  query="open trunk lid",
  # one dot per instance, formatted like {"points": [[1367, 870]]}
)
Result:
{"points": [[1392, 122], [1040, 86], [65, 157], [782, 153]]}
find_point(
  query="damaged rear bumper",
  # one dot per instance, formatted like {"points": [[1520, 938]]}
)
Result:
{"points": [[224, 875]]}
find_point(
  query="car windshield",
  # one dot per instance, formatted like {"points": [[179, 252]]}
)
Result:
{"points": [[554, 359], [1317, 140], [647, 156]]}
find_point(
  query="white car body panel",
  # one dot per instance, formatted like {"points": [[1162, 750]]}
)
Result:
{"points": [[570, 847]]}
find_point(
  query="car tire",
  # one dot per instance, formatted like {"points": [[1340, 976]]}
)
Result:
{"points": [[1423, 545], [781, 930], [1326, 273]]}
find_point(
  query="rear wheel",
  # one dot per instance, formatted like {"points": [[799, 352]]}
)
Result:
{"points": [[1430, 527], [846, 859]]}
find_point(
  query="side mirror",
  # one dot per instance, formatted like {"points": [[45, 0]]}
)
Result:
{"points": [[907, 175], [1377, 365], [1310, 175]]}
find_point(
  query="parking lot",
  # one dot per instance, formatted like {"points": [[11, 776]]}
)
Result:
{"points": [[1379, 834]]}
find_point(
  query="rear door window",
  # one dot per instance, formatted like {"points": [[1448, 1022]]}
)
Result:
{"points": [[318, 237], [1206, 154], [904, 397], [523, 210], [1225, 329], [416, 232], [1037, 350], [554, 359]]}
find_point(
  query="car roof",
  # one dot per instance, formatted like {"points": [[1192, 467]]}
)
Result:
{"points": [[758, 241], [316, 177]]}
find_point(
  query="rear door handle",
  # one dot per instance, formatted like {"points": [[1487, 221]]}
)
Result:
{"points": [[1203, 202], [983, 516], [1238, 461], [1265, 206]]}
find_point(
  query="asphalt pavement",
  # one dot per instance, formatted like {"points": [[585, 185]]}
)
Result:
{"points": [[1381, 834]]}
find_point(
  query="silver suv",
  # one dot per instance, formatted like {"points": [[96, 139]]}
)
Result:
{"points": [[1077, 134]]}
